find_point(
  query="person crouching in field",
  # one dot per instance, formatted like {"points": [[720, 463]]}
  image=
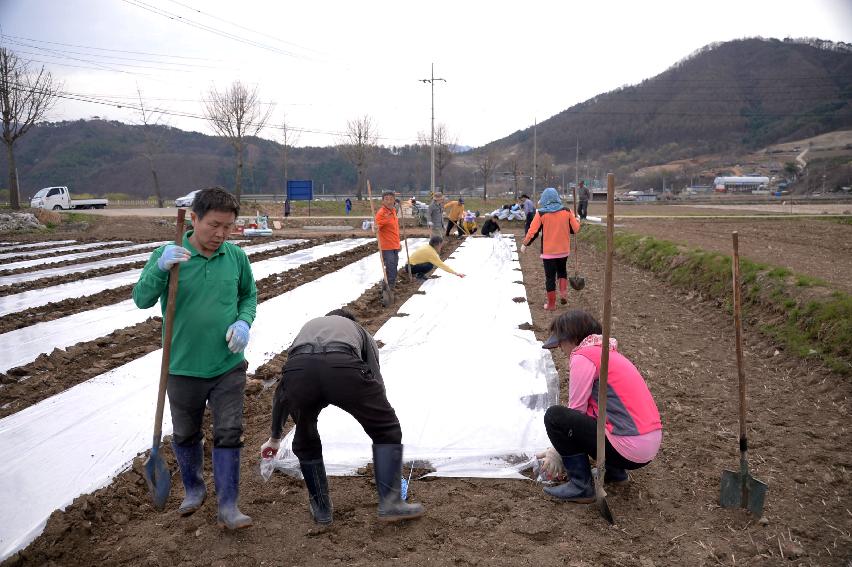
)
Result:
{"points": [[633, 428], [556, 224], [426, 258]]}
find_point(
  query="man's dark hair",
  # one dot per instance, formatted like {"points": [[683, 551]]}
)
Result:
{"points": [[575, 325], [436, 241], [215, 199], [389, 193], [342, 313]]}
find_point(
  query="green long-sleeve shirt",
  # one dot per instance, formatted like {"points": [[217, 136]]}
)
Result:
{"points": [[212, 294]]}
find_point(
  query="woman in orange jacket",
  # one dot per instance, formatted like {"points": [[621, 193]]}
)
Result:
{"points": [[556, 224]]}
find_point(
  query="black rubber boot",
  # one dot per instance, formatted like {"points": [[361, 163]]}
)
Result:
{"points": [[615, 475], [226, 476], [387, 465], [322, 509], [579, 487], [191, 462]]}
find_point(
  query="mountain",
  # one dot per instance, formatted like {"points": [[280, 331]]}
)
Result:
{"points": [[724, 99], [731, 96]]}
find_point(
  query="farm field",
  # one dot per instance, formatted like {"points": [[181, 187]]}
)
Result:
{"points": [[669, 515]]}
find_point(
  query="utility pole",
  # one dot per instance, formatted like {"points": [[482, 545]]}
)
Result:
{"points": [[577, 164], [431, 80], [535, 154]]}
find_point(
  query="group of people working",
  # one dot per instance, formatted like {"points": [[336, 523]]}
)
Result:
{"points": [[334, 360]]}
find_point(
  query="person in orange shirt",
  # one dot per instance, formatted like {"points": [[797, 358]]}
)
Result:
{"points": [[556, 224], [387, 230], [455, 215]]}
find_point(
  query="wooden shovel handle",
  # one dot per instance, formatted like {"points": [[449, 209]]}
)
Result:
{"points": [[738, 330], [607, 316], [168, 322]]}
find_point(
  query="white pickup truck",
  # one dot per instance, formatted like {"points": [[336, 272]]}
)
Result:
{"points": [[57, 198]]}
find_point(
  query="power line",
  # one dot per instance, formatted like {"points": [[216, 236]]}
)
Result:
{"points": [[104, 48]]}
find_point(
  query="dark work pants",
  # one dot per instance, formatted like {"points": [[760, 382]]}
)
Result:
{"points": [[582, 209], [457, 224], [424, 268], [188, 396], [391, 258], [528, 222], [316, 380], [554, 268], [572, 432]]}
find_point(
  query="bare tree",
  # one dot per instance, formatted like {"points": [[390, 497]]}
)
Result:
{"points": [[25, 97], [358, 144], [236, 113], [289, 137], [486, 165], [444, 145], [545, 169], [154, 138], [516, 167]]}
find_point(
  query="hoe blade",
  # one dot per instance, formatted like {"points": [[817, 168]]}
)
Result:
{"points": [[577, 282]]}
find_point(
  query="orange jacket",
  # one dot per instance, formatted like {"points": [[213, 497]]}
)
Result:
{"points": [[556, 229], [455, 210], [387, 228]]}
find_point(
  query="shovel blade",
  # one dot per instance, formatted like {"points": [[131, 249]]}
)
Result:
{"points": [[577, 282], [158, 477], [738, 491], [600, 497]]}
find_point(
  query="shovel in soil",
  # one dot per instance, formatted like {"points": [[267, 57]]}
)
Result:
{"points": [[741, 490], [157, 474]]}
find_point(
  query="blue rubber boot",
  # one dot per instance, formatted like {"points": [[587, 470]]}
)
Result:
{"points": [[387, 465], [191, 462], [226, 476], [322, 509], [615, 475], [579, 487]]}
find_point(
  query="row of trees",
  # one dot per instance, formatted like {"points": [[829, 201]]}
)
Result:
{"points": [[234, 113]]}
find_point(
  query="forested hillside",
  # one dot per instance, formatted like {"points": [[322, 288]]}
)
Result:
{"points": [[725, 98]]}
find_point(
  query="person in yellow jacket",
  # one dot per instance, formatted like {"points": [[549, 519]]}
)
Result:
{"points": [[425, 258], [455, 214]]}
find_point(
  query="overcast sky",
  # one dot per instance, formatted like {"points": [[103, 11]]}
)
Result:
{"points": [[324, 63]]}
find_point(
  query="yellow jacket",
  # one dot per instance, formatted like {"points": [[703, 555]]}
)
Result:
{"points": [[428, 254], [455, 210]]}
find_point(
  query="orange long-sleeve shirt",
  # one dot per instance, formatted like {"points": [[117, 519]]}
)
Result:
{"points": [[387, 229], [556, 229], [455, 210]]}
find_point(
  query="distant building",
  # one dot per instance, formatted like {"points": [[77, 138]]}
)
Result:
{"points": [[740, 184]]}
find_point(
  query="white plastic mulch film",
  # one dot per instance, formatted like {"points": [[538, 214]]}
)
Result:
{"points": [[88, 255], [99, 426], [25, 344], [71, 248], [9, 246], [16, 302], [469, 387]]}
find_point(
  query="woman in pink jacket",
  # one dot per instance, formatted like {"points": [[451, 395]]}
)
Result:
{"points": [[633, 427]]}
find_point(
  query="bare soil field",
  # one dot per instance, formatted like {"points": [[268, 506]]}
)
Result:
{"points": [[668, 515]]}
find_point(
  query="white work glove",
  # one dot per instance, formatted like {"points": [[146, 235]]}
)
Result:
{"points": [[523, 248], [269, 449], [430, 224], [172, 255], [237, 336], [552, 466]]}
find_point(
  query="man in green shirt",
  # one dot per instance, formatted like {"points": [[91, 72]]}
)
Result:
{"points": [[214, 309]]}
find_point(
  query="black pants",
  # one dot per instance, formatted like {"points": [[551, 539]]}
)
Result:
{"points": [[572, 432], [421, 269], [188, 396], [582, 209], [554, 268], [316, 380], [451, 224], [528, 222]]}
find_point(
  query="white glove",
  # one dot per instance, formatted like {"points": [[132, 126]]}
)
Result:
{"points": [[523, 248], [552, 465], [269, 449], [172, 255], [430, 224], [237, 336]]}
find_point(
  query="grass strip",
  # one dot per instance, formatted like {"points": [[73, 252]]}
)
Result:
{"points": [[803, 313]]}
